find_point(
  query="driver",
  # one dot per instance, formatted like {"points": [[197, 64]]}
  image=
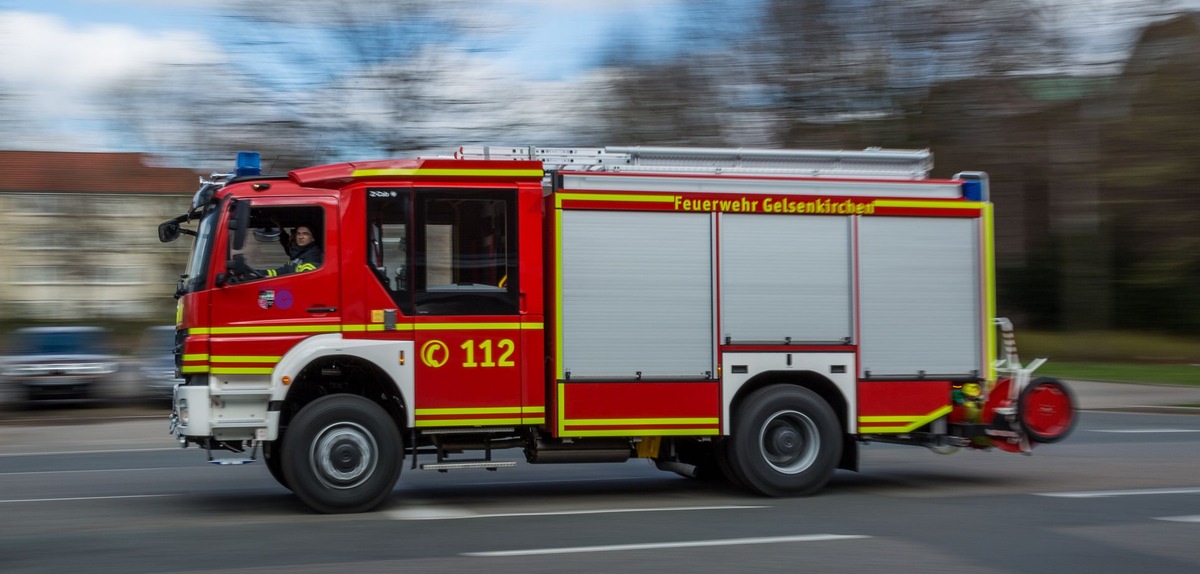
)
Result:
{"points": [[304, 252]]}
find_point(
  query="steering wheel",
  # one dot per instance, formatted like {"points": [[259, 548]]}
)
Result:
{"points": [[239, 268]]}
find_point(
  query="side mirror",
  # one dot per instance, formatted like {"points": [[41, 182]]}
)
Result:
{"points": [[168, 231], [239, 223]]}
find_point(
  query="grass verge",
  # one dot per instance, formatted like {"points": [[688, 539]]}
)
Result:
{"points": [[1123, 372]]}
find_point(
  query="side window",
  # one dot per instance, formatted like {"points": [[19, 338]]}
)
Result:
{"points": [[445, 251], [387, 243], [285, 240]]}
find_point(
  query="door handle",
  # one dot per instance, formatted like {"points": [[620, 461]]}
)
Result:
{"points": [[322, 309]]}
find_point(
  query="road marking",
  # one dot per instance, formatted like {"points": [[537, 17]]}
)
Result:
{"points": [[1144, 431], [87, 470], [1111, 493], [441, 513], [84, 498], [660, 545], [109, 451], [1195, 518]]}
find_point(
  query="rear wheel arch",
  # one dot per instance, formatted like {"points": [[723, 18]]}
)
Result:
{"points": [[810, 380]]}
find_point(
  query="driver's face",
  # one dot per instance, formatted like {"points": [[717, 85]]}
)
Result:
{"points": [[303, 236]]}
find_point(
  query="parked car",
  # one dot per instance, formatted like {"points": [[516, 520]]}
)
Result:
{"points": [[156, 366], [61, 362]]}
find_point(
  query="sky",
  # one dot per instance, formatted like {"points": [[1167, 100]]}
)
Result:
{"points": [[58, 57]]}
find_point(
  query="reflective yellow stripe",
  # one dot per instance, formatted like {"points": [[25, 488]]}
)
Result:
{"points": [[196, 357], [910, 423], [929, 204], [644, 432], [666, 421], [241, 370], [466, 422], [305, 267], [194, 369], [533, 421], [558, 309], [455, 172], [989, 288], [476, 326], [357, 328], [532, 410], [469, 411], [244, 359], [559, 198], [270, 272], [276, 329]]}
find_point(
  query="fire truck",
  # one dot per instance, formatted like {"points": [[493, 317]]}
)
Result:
{"points": [[749, 315]]}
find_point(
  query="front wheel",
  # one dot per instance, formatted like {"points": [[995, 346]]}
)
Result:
{"points": [[342, 454], [271, 456], [786, 441]]}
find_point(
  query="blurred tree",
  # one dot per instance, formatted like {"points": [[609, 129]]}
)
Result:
{"points": [[1150, 151]]}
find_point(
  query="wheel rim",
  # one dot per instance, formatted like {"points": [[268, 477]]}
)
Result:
{"points": [[1048, 411], [788, 441], [344, 455]]}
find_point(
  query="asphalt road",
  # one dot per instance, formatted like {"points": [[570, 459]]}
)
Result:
{"points": [[1120, 495]]}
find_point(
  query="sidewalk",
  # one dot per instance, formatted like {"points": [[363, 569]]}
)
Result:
{"points": [[1131, 397]]}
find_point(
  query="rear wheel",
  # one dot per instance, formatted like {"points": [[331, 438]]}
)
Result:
{"points": [[786, 441], [342, 454]]}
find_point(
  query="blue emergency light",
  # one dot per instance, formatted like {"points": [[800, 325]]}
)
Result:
{"points": [[973, 190], [248, 163]]}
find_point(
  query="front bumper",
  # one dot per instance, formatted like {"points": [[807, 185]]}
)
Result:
{"points": [[198, 412]]}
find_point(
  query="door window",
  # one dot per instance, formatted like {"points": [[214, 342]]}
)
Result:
{"points": [[285, 240], [445, 251]]}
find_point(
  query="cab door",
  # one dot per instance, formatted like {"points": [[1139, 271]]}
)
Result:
{"points": [[256, 317], [465, 307]]}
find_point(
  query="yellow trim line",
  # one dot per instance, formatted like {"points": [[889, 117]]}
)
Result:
{"points": [[559, 198], [480, 411], [360, 328], [910, 423], [660, 421], [451, 172]]}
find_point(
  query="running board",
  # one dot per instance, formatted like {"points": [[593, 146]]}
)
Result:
{"points": [[488, 464]]}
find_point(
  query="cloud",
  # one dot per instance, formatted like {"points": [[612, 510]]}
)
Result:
{"points": [[59, 70]]}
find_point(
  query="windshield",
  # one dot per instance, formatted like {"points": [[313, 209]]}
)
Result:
{"points": [[201, 247]]}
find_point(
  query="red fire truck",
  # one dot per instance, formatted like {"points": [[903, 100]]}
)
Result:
{"points": [[747, 314]]}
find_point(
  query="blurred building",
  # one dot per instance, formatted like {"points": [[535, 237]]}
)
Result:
{"points": [[79, 236]]}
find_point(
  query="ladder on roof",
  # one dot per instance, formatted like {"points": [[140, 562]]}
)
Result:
{"points": [[868, 163]]}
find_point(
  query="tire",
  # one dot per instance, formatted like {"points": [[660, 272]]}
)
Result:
{"points": [[273, 459], [786, 441], [342, 454], [1047, 410]]}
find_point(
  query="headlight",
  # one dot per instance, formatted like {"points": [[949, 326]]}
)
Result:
{"points": [[183, 411]]}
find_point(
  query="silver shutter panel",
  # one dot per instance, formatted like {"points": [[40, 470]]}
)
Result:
{"points": [[920, 296], [785, 276], [637, 294]]}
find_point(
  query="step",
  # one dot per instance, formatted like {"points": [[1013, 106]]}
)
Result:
{"points": [[231, 461], [488, 464]]}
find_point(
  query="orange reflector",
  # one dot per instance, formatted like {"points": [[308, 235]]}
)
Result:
{"points": [[402, 358], [287, 380]]}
